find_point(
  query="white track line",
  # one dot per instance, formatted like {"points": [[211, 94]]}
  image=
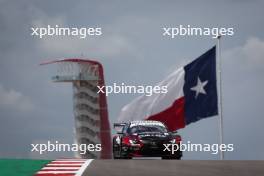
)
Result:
{"points": [[56, 172], [60, 168], [84, 166], [68, 161], [64, 164]]}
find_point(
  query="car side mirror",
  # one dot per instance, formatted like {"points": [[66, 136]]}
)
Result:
{"points": [[119, 127], [174, 132]]}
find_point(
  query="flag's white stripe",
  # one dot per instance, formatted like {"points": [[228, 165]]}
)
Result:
{"points": [[64, 164], [84, 166], [145, 106], [56, 172], [55, 168], [174, 83]]}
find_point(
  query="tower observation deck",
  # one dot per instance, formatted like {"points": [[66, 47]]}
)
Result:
{"points": [[90, 108]]}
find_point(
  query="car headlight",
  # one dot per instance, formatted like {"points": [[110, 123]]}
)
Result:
{"points": [[132, 141], [173, 141], [118, 140]]}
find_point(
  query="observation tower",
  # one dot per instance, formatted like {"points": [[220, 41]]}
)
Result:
{"points": [[90, 108]]}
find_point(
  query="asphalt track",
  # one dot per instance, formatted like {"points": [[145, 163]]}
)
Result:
{"points": [[174, 167]]}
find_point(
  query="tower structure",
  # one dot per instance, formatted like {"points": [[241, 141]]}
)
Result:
{"points": [[89, 106]]}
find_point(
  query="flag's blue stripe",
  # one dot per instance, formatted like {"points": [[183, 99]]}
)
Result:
{"points": [[204, 105]]}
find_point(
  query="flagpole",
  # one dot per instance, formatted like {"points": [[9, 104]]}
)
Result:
{"points": [[220, 109]]}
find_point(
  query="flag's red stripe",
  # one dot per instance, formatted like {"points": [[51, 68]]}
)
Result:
{"points": [[172, 117]]}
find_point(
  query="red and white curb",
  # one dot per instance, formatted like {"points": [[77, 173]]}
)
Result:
{"points": [[65, 167]]}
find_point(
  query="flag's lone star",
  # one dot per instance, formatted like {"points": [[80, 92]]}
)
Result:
{"points": [[199, 88]]}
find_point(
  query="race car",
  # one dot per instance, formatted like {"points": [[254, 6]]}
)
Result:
{"points": [[144, 139]]}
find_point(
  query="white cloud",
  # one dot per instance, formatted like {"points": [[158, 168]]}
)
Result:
{"points": [[106, 45], [254, 50], [250, 55], [14, 100], [101, 46]]}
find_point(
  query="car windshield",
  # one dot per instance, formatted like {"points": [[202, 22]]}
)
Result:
{"points": [[142, 129]]}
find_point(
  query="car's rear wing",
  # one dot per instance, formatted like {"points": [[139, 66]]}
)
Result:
{"points": [[119, 127]]}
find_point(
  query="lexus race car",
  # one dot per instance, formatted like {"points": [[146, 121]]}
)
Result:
{"points": [[144, 139]]}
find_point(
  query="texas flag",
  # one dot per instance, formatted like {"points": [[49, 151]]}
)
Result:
{"points": [[191, 96]]}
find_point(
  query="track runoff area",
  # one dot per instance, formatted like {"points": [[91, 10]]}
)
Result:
{"points": [[78, 167]]}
